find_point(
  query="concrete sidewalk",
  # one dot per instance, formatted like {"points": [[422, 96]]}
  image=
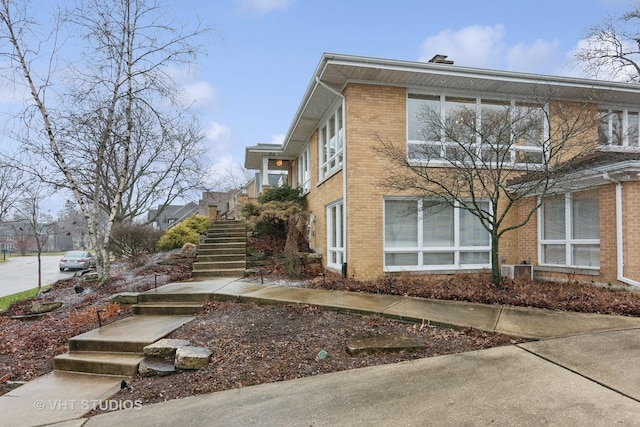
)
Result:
{"points": [[583, 377]]}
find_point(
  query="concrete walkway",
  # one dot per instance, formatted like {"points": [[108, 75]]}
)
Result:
{"points": [[581, 372]]}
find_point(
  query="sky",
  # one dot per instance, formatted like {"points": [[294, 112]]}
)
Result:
{"points": [[249, 82], [252, 80]]}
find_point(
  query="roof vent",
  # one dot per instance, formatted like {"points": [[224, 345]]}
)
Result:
{"points": [[441, 59]]}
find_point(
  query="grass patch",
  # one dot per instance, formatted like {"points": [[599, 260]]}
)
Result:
{"points": [[6, 301]]}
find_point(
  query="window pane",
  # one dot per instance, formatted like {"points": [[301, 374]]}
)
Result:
{"points": [[394, 260], [632, 132], [554, 218], [474, 257], [461, 120], [401, 223], [586, 255], [554, 254], [585, 214], [603, 127], [472, 233], [495, 128], [438, 258], [616, 127], [423, 117], [437, 224]]}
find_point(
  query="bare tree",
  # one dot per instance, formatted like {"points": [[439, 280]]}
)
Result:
{"points": [[34, 225], [611, 50], [118, 97], [486, 163], [12, 183]]}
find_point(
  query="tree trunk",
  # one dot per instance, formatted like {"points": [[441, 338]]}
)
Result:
{"points": [[496, 277]]}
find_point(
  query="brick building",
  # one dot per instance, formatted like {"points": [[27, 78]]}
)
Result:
{"points": [[585, 230]]}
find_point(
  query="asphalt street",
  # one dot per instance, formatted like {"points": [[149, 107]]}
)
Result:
{"points": [[20, 273]]}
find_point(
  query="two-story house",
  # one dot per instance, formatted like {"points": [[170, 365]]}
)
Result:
{"points": [[585, 231]]}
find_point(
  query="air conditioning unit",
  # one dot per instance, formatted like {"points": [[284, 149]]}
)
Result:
{"points": [[517, 271]]}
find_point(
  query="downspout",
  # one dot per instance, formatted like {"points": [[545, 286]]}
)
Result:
{"points": [[619, 233], [344, 170]]}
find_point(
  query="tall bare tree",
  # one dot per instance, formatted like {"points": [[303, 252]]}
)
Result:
{"points": [[12, 182], [486, 163], [117, 101], [611, 50]]}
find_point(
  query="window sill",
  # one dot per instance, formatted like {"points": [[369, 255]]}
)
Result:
{"points": [[329, 176], [568, 270]]}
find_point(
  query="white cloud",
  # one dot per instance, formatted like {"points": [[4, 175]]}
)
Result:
{"points": [[263, 7], [200, 94], [277, 138], [486, 47], [219, 135]]}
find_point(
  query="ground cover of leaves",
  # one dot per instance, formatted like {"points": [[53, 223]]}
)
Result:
{"points": [[253, 344]]}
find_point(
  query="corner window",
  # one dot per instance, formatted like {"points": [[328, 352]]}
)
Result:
{"points": [[330, 143], [618, 128], [570, 230], [304, 171], [428, 235]]}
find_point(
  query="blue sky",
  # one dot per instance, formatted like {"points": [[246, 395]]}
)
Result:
{"points": [[254, 76]]}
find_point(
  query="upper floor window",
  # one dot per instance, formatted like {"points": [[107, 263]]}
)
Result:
{"points": [[304, 171], [447, 128], [330, 142], [618, 128]]}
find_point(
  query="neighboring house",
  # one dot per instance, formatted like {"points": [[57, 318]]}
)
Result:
{"points": [[170, 215], [248, 193], [587, 233], [218, 200]]}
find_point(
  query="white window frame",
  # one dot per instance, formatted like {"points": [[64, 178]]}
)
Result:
{"points": [[331, 162], [304, 170], [569, 242], [421, 249], [626, 142], [517, 151], [335, 235]]}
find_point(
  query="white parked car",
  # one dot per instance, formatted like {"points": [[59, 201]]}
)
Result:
{"points": [[77, 260]]}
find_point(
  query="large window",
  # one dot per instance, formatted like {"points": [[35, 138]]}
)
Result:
{"points": [[335, 241], [445, 128], [330, 143], [427, 235], [304, 171], [570, 230], [618, 128]]}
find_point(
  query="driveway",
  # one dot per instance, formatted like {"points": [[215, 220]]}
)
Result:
{"points": [[20, 273]]}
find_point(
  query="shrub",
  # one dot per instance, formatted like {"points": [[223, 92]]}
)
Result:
{"points": [[282, 194], [131, 241], [188, 231]]}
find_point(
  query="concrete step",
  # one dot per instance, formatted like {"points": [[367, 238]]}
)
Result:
{"points": [[194, 298], [102, 363], [218, 265], [166, 308], [129, 335], [232, 272], [223, 240]]}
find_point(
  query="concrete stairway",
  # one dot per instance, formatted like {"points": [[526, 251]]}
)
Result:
{"points": [[116, 349], [223, 252]]}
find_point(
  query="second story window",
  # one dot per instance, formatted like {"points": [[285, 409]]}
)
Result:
{"points": [[330, 142], [449, 129], [618, 127]]}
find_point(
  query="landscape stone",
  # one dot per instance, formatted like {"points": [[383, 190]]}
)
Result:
{"points": [[125, 297], [192, 357], [150, 367], [382, 342], [42, 307], [164, 348]]}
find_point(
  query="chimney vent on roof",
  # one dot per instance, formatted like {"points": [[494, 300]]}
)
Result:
{"points": [[440, 59]]}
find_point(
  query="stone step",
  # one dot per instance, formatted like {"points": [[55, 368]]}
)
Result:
{"points": [[169, 298], [222, 240], [221, 257], [218, 265], [222, 250], [102, 363], [235, 272], [117, 337], [166, 308]]}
